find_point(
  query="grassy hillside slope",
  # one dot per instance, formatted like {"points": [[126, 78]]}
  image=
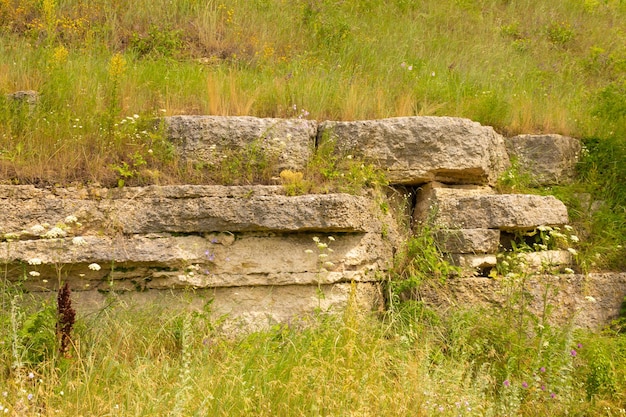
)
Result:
{"points": [[105, 69]]}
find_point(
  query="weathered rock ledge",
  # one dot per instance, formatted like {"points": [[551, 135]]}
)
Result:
{"points": [[265, 257], [195, 237]]}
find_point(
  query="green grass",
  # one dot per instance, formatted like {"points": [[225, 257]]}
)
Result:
{"points": [[144, 360]]}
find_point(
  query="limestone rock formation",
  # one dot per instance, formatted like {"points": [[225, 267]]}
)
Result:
{"points": [[254, 238], [416, 150], [263, 257], [545, 159], [468, 208], [183, 209], [207, 138]]}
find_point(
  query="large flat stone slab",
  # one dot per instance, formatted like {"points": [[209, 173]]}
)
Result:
{"points": [[182, 209], [463, 208], [546, 159], [163, 261], [415, 150], [208, 138]]}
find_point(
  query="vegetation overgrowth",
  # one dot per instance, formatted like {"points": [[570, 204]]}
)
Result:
{"points": [[144, 360], [105, 70]]}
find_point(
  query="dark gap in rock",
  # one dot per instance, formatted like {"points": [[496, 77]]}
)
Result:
{"points": [[484, 271], [507, 239]]}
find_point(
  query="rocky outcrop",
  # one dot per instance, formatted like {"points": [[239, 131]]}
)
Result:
{"points": [[195, 237], [182, 209], [469, 222], [264, 257], [416, 150]]}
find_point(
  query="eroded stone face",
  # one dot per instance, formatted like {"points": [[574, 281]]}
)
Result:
{"points": [[208, 138], [469, 241], [184, 209], [545, 159], [458, 208], [146, 238], [213, 260], [415, 150]]}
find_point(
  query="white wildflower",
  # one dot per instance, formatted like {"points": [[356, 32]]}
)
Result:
{"points": [[308, 251], [568, 270], [94, 267], [544, 228], [568, 227], [572, 251], [323, 255], [34, 273], [332, 239], [70, 219], [79, 241], [574, 238], [329, 264], [34, 261], [45, 281], [590, 299], [316, 239], [321, 245], [54, 233], [37, 229], [558, 235]]}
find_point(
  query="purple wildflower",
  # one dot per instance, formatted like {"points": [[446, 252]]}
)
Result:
{"points": [[542, 369], [525, 384], [552, 395], [506, 383], [579, 346], [573, 352]]}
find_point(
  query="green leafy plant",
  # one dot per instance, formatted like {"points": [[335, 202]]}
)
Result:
{"points": [[419, 262]]}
